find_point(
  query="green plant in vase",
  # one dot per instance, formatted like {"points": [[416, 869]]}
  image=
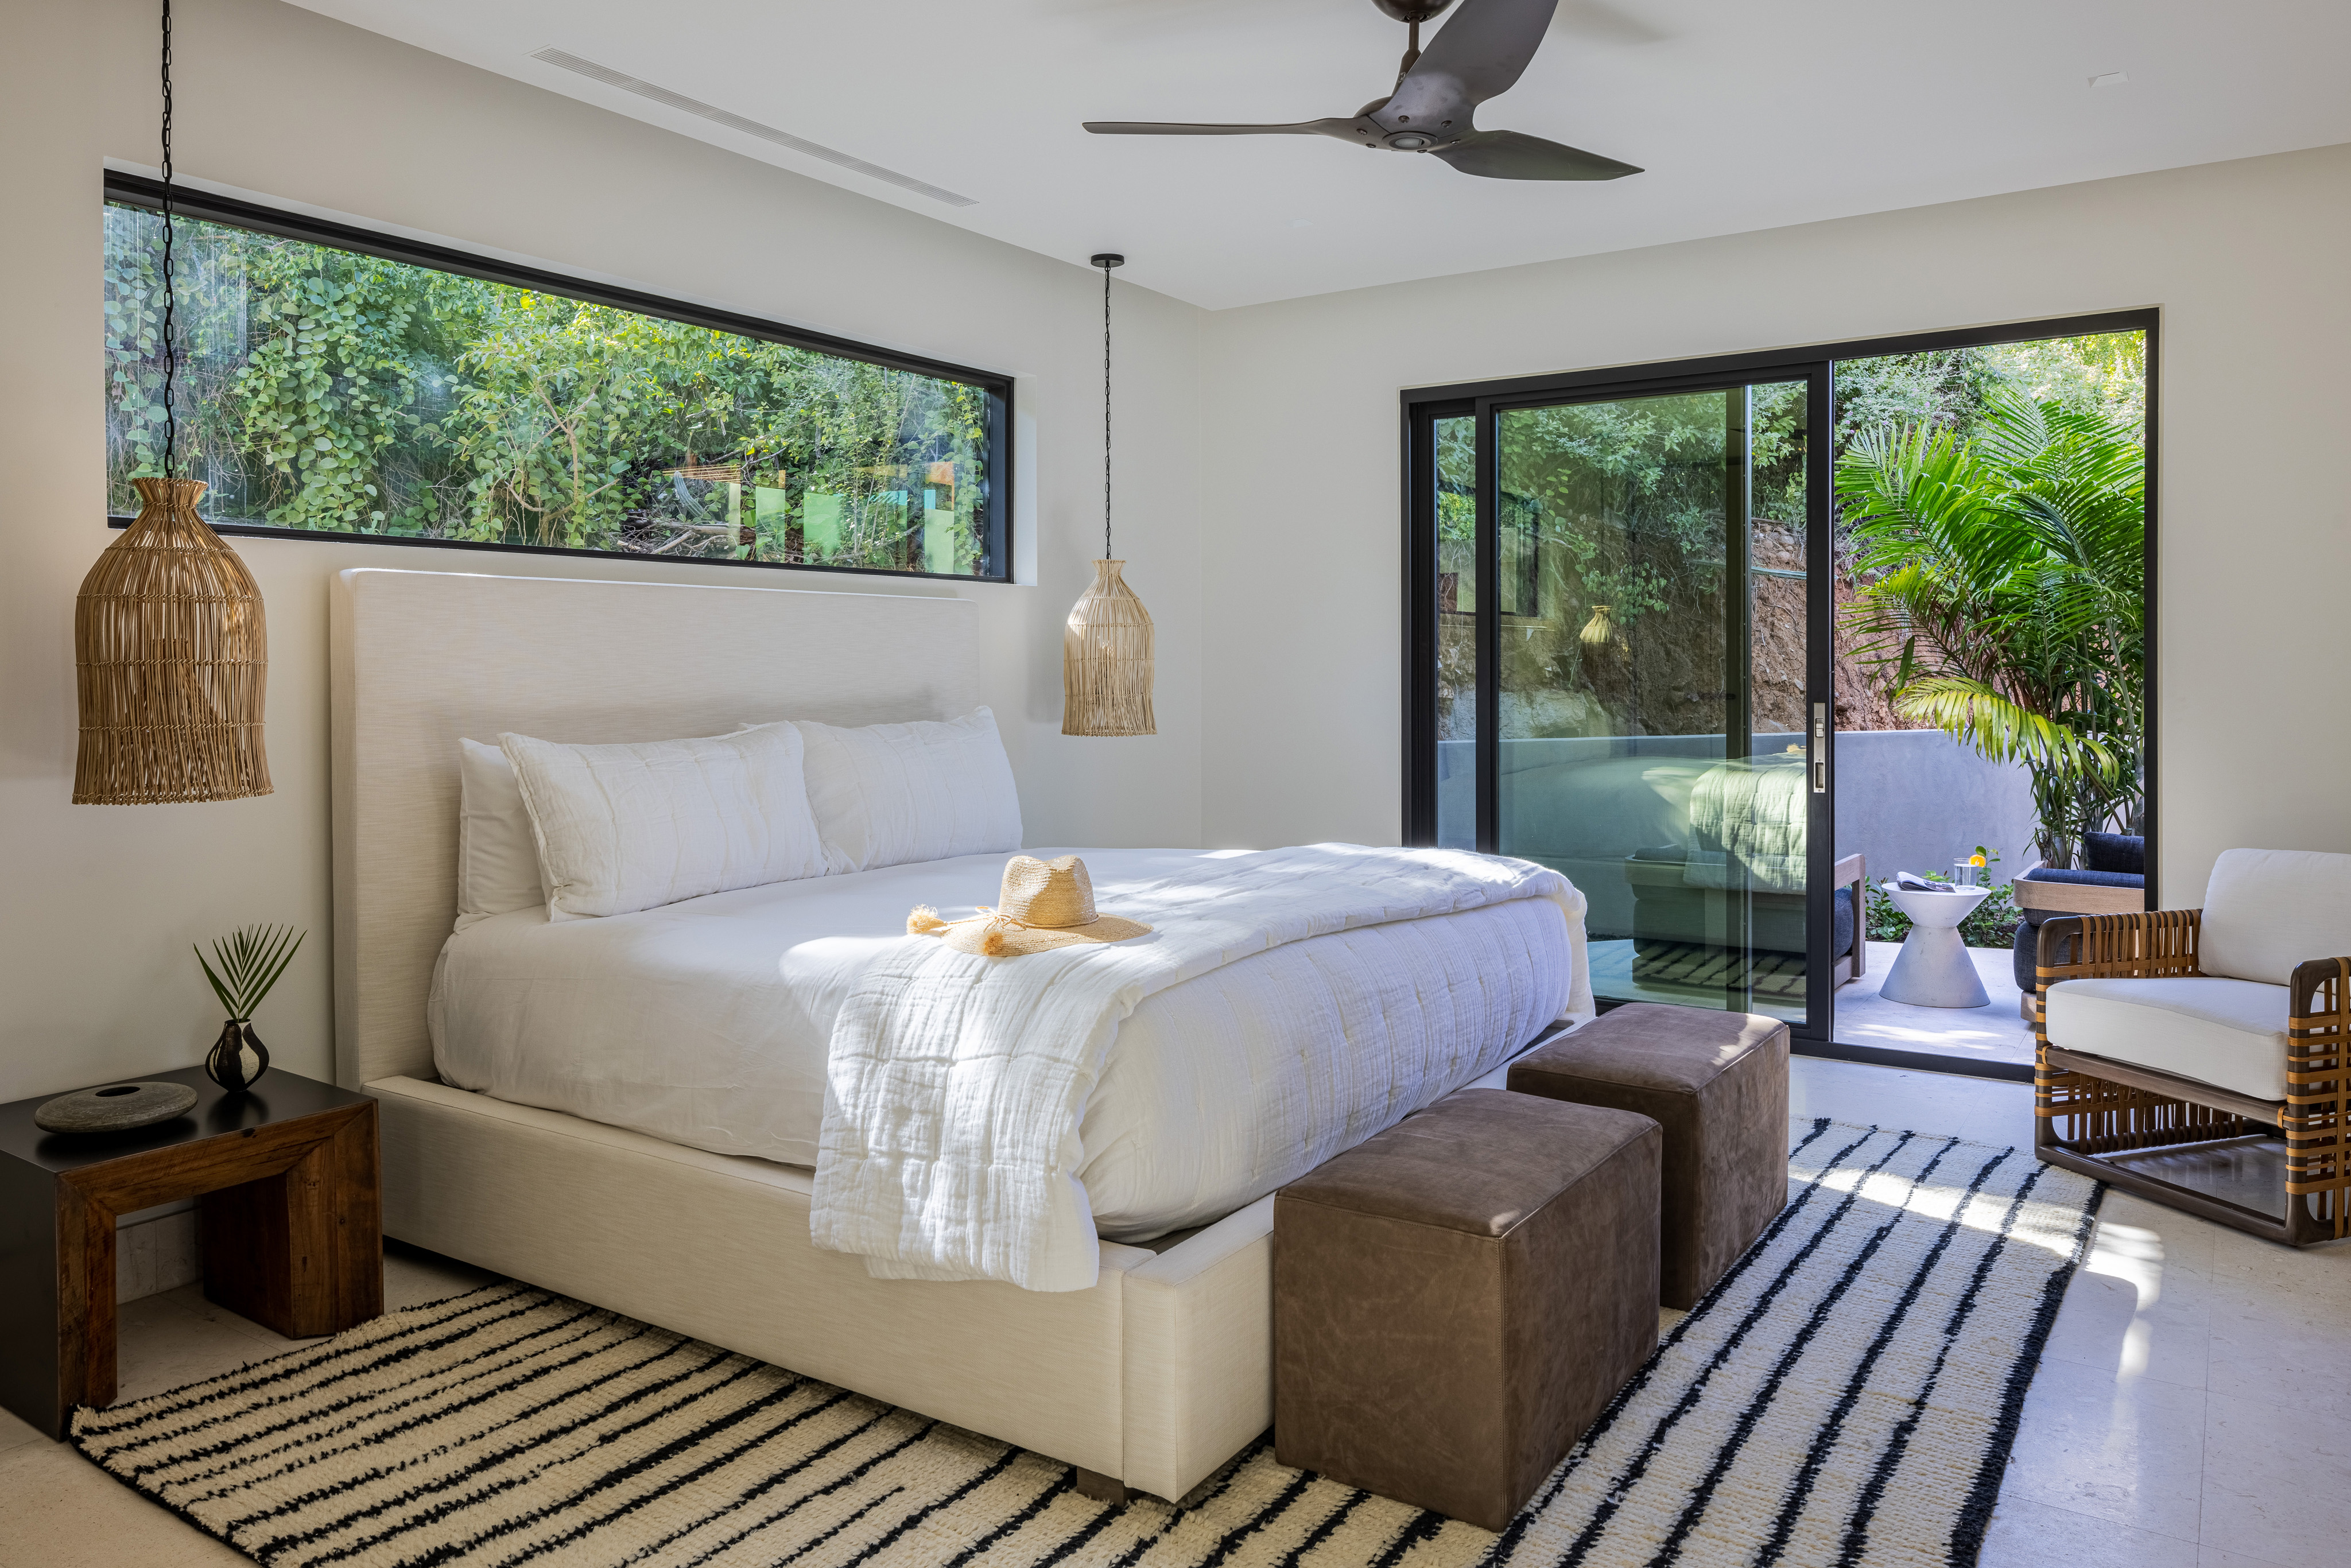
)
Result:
{"points": [[251, 960]]}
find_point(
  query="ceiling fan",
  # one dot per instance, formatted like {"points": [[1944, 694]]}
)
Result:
{"points": [[1480, 54]]}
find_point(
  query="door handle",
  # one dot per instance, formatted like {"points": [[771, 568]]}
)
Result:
{"points": [[1820, 749]]}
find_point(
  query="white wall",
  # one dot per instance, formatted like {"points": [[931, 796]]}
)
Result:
{"points": [[100, 904], [1257, 471], [1301, 638]]}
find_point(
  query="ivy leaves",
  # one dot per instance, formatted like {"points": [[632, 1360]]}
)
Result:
{"points": [[326, 389], [134, 356]]}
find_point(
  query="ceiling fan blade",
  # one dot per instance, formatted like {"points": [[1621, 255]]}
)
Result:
{"points": [[1510, 155], [1485, 49], [1342, 128]]}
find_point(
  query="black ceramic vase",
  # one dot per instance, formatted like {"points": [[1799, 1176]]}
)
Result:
{"points": [[237, 1058]]}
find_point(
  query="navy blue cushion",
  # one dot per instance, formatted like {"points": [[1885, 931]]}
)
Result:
{"points": [[2085, 878], [2114, 851], [2028, 951]]}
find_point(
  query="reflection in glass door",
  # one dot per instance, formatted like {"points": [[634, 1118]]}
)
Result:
{"points": [[1455, 508], [1623, 637]]}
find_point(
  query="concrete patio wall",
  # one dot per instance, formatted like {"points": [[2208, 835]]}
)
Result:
{"points": [[1916, 800]]}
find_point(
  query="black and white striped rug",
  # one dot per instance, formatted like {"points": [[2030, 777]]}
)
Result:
{"points": [[1846, 1396]]}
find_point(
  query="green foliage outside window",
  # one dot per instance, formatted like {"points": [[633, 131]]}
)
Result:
{"points": [[1660, 457], [1654, 467], [2103, 374], [327, 389], [2004, 597]]}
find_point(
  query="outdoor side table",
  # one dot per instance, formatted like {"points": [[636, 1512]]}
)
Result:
{"points": [[288, 1208], [1933, 969]]}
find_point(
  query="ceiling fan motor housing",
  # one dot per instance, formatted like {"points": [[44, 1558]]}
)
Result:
{"points": [[1413, 10]]}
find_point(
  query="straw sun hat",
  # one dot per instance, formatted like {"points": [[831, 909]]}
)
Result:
{"points": [[1042, 904]]}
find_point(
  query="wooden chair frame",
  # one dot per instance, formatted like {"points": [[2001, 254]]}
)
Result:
{"points": [[2087, 1108]]}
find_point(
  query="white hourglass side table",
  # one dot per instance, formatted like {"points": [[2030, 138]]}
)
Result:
{"points": [[1933, 969]]}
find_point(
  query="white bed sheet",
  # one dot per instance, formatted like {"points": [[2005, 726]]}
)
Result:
{"points": [[707, 1023]]}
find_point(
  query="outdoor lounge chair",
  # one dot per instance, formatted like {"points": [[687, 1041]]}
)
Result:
{"points": [[2112, 881], [1670, 916], [1735, 882], [2229, 1024]]}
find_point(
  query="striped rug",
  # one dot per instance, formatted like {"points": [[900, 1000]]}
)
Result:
{"points": [[1847, 1396]]}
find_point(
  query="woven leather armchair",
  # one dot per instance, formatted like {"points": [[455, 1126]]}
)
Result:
{"points": [[2167, 1029]]}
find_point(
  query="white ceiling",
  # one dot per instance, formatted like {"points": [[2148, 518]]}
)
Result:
{"points": [[1745, 115]]}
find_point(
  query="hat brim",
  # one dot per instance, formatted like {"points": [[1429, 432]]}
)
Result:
{"points": [[965, 936]]}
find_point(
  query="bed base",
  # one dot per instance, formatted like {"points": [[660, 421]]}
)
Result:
{"points": [[1151, 1380]]}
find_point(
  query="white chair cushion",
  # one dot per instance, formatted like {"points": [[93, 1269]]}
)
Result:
{"points": [[2266, 911], [889, 793], [2228, 1033], [624, 827]]}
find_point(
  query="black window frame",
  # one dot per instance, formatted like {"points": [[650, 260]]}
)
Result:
{"points": [[1419, 408], [137, 189]]}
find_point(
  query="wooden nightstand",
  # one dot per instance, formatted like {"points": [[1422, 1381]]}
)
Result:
{"points": [[289, 1211]]}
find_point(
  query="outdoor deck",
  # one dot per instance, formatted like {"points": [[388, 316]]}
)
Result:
{"points": [[1991, 1033]]}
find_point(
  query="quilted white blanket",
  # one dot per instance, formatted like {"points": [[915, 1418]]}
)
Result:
{"points": [[950, 1146]]}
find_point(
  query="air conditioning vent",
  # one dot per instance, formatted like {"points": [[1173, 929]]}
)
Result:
{"points": [[716, 116]]}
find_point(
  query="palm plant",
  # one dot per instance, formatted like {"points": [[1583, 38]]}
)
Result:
{"points": [[2004, 597], [251, 960]]}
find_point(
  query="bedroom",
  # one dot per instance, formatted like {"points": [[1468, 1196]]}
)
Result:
{"points": [[1256, 505]]}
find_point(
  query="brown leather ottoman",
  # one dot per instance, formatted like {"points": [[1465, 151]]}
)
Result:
{"points": [[1717, 1084], [1454, 1301]]}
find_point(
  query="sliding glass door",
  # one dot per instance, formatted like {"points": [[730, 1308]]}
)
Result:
{"points": [[1620, 670]]}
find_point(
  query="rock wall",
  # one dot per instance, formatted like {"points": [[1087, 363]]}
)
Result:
{"points": [[1780, 647]]}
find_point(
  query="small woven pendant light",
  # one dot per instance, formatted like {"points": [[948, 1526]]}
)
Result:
{"points": [[1106, 666], [171, 654]]}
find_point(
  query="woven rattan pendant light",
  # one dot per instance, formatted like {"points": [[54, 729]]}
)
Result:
{"points": [[171, 654], [1106, 646]]}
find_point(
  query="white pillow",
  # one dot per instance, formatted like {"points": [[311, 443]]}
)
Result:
{"points": [[497, 855], [2266, 911], [622, 828], [890, 793]]}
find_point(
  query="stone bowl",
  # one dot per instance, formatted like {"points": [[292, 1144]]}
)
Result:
{"points": [[115, 1108]]}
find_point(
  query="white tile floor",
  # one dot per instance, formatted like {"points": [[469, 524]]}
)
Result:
{"points": [[2193, 1408], [2194, 1405]]}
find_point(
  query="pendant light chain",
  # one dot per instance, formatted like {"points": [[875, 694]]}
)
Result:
{"points": [[1106, 644], [1106, 266], [170, 348], [170, 644]]}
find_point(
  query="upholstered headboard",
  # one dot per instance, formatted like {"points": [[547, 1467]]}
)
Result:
{"points": [[421, 659]]}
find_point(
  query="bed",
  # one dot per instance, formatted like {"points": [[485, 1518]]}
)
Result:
{"points": [[689, 1214]]}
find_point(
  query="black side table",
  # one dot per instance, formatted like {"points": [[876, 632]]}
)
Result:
{"points": [[289, 1210]]}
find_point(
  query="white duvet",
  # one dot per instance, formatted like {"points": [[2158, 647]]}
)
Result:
{"points": [[709, 1023]]}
